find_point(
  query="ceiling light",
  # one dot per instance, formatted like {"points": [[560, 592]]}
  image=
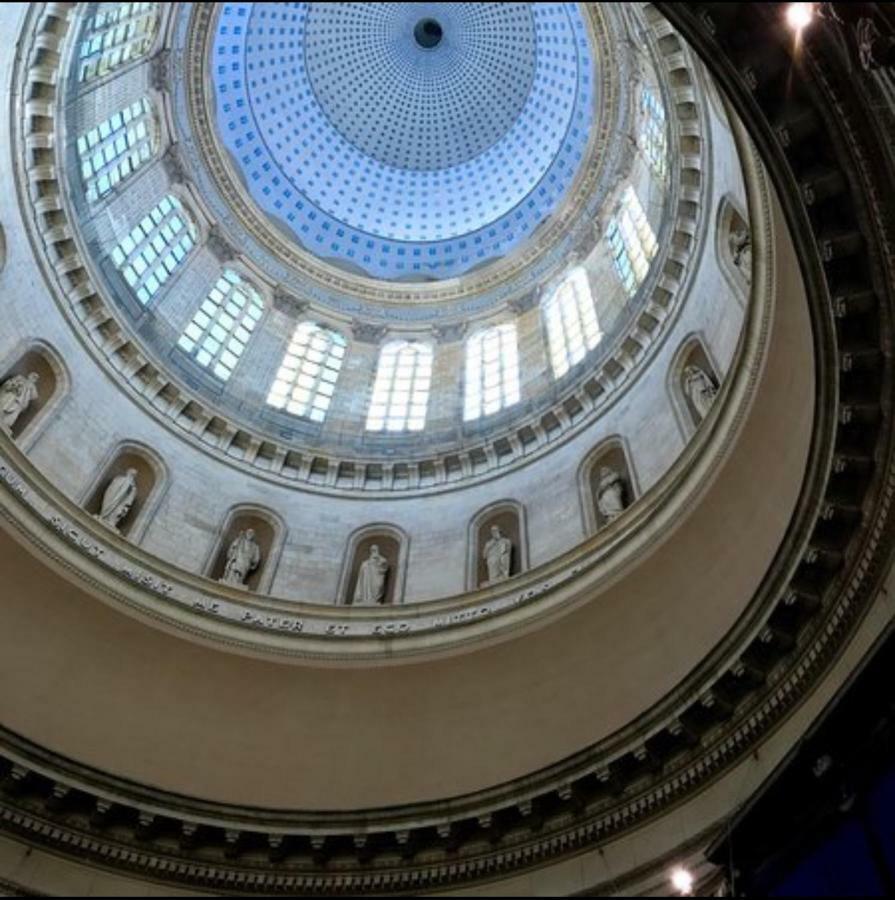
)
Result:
{"points": [[682, 881], [798, 15]]}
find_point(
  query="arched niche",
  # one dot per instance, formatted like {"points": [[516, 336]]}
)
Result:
{"points": [[733, 246], [270, 532], [509, 517], [393, 544], [611, 455], [52, 385], [692, 354], [151, 476]]}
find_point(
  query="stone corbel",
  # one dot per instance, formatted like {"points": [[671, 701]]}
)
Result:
{"points": [[366, 332], [289, 304], [449, 333], [220, 245], [172, 162], [523, 304], [160, 71]]}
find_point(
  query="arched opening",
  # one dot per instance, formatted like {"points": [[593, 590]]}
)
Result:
{"points": [[252, 569], [127, 491], [375, 573], [492, 560]]}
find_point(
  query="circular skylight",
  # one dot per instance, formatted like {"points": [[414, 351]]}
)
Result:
{"points": [[405, 140]]}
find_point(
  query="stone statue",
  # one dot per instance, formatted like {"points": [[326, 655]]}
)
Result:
{"points": [[371, 575], [118, 499], [498, 553], [610, 494], [700, 389], [741, 249], [243, 557], [16, 395]]}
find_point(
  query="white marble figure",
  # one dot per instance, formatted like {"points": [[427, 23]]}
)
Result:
{"points": [[610, 494], [699, 389], [243, 557], [16, 395], [741, 250], [371, 575], [498, 552], [118, 499]]}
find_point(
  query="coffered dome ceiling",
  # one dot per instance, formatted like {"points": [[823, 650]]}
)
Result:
{"points": [[446, 154], [436, 394]]}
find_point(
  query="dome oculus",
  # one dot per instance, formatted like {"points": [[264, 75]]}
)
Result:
{"points": [[464, 130]]}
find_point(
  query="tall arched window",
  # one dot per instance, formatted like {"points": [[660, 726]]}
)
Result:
{"points": [[572, 326], [221, 327], [631, 241], [154, 248], [116, 34], [653, 138], [117, 147], [492, 371], [401, 389], [306, 380]]}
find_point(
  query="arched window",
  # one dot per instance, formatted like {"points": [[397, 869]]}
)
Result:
{"points": [[117, 147], [154, 248], [116, 34], [401, 389], [307, 377], [631, 241], [572, 326], [492, 371], [653, 138], [221, 327]]}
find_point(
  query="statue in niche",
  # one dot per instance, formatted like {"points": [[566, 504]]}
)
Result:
{"points": [[243, 557], [741, 249], [610, 494], [118, 499], [498, 552], [16, 395], [370, 586], [700, 390]]}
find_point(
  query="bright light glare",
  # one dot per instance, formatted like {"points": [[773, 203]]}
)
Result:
{"points": [[798, 15], [682, 881]]}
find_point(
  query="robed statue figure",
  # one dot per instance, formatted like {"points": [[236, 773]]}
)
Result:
{"points": [[370, 586], [118, 499], [16, 395], [243, 557], [498, 553]]}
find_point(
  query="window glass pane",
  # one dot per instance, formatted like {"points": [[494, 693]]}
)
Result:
{"points": [[220, 336], [632, 242], [570, 317], [492, 371], [309, 371], [115, 36], [141, 255], [402, 366]]}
